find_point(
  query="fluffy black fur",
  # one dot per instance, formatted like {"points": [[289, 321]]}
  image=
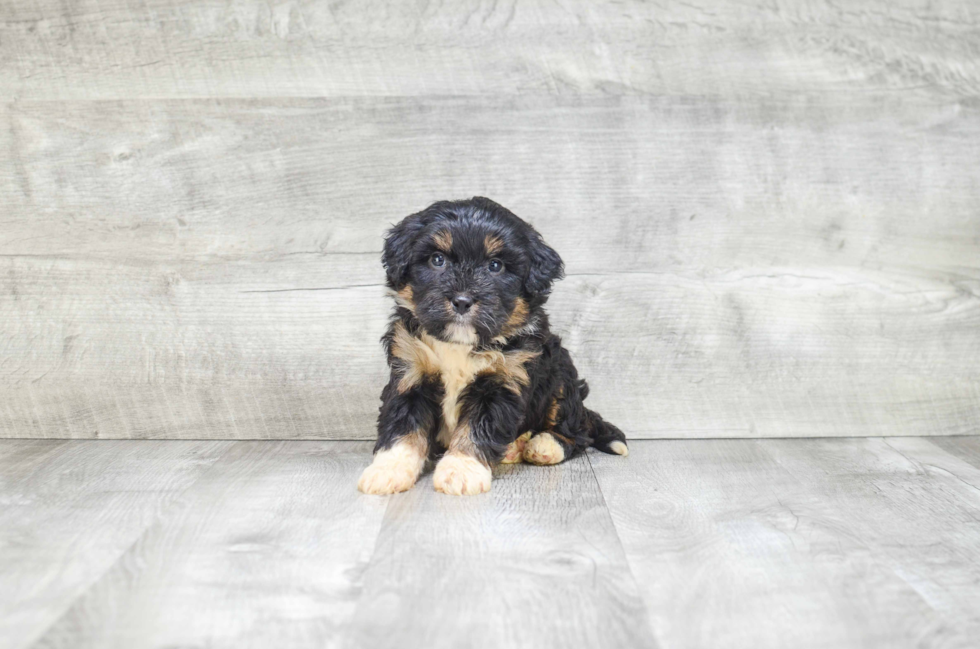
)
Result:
{"points": [[496, 415]]}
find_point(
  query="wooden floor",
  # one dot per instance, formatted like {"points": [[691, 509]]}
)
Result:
{"points": [[858, 542]]}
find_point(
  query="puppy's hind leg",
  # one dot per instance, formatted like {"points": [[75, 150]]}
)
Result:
{"points": [[548, 447], [515, 450], [606, 437], [553, 444]]}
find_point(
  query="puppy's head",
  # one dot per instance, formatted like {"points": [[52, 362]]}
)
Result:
{"points": [[469, 270]]}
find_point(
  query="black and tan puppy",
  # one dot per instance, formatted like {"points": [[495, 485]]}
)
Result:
{"points": [[475, 370]]}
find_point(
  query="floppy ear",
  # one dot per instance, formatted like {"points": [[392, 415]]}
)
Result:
{"points": [[545, 266], [397, 254]]}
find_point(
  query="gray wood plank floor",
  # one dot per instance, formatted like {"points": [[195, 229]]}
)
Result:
{"points": [[856, 542]]}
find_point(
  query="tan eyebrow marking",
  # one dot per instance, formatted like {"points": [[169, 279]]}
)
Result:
{"points": [[492, 244], [443, 240]]}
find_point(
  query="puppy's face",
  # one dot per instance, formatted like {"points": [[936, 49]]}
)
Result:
{"points": [[469, 270]]}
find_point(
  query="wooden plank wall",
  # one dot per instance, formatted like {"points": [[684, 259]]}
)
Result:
{"points": [[769, 212]]}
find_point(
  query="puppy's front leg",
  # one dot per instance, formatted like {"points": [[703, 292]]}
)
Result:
{"points": [[489, 414], [405, 424]]}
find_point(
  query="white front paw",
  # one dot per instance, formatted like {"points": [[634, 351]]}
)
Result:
{"points": [[385, 479], [461, 475], [392, 471]]}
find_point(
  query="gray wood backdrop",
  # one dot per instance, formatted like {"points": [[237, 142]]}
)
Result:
{"points": [[769, 211]]}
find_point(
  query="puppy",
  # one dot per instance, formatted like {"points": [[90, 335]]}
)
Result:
{"points": [[476, 373]]}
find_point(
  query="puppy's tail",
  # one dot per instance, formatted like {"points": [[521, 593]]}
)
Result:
{"points": [[605, 437]]}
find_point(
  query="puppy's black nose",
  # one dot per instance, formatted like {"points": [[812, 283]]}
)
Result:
{"points": [[462, 303]]}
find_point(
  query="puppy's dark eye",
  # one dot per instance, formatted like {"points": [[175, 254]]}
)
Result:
{"points": [[496, 265], [437, 259]]}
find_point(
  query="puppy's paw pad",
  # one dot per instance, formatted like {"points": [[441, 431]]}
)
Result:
{"points": [[543, 449], [461, 475], [386, 478], [619, 448], [515, 450]]}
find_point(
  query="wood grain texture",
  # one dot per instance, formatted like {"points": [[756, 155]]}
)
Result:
{"points": [[809, 543], [816, 279], [834, 543], [271, 543], [68, 512], [534, 563], [109, 49], [267, 548], [768, 211]]}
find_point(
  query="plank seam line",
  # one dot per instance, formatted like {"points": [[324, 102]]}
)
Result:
{"points": [[622, 549], [315, 288], [347, 631]]}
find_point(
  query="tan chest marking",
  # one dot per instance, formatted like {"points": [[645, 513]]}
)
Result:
{"points": [[456, 366]]}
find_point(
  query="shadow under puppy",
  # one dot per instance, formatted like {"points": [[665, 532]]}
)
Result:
{"points": [[475, 369]]}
